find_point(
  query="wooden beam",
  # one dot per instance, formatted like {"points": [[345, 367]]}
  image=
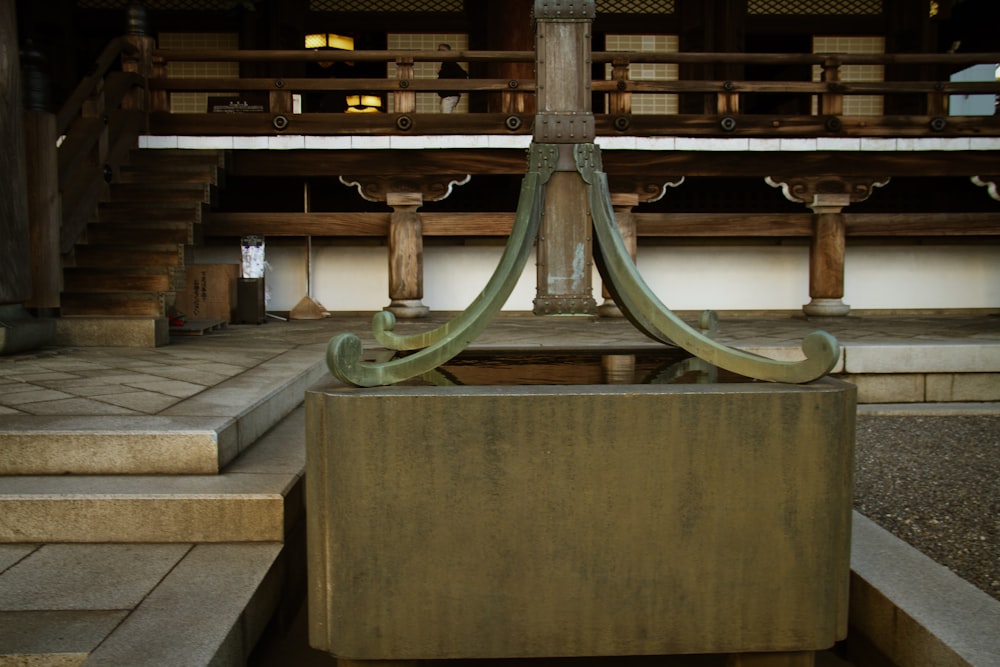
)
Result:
{"points": [[649, 225], [736, 164], [380, 162]]}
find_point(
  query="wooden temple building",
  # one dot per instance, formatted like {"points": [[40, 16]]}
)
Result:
{"points": [[762, 154]]}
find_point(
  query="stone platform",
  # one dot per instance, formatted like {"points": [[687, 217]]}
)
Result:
{"points": [[150, 498]]}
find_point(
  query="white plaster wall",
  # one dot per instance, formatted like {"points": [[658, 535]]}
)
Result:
{"points": [[683, 278]]}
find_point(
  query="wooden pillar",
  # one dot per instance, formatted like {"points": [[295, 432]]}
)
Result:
{"points": [[15, 277], [406, 234], [509, 26], [44, 210], [19, 329], [826, 256], [141, 60], [826, 196], [564, 118], [406, 256]]}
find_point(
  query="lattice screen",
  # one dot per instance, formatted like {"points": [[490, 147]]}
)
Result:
{"points": [[603, 6], [386, 5], [807, 7], [635, 6], [171, 5]]}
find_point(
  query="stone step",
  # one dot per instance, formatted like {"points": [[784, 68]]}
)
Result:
{"points": [[137, 604], [151, 433], [258, 498], [116, 332]]}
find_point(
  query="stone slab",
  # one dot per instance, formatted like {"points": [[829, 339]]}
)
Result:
{"points": [[53, 638], [914, 357], [963, 387], [112, 331], [889, 387], [197, 435], [20, 331], [506, 522], [209, 610], [12, 553], [108, 445], [87, 576], [915, 611], [218, 508]]}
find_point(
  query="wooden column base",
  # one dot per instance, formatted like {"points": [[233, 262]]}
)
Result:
{"points": [[408, 309], [819, 307]]}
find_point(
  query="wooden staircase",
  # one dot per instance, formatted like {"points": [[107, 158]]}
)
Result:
{"points": [[131, 259]]}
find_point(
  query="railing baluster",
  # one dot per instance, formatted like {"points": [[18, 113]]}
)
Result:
{"points": [[831, 102], [404, 100], [620, 101]]}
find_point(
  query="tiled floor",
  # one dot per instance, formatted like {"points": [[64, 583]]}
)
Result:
{"points": [[129, 381]]}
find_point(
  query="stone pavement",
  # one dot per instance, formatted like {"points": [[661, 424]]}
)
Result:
{"points": [[149, 498]]}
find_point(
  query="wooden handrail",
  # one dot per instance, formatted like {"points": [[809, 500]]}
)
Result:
{"points": [[731, 97], [87, 87], [647, 57], [212, 84]]}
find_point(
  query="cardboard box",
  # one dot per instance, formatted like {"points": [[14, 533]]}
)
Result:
{"points": [[209, 292]]}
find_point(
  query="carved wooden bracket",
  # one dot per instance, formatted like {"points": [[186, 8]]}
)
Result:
{"points": [[646, 190], [826, 190], [991, 183], [432, 187]]}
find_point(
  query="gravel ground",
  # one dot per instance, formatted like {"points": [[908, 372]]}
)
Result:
{"points": [[934, 481]]}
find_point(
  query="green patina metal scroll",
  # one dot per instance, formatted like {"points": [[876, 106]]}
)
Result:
{"points": [[638, 303], [344, 351]]}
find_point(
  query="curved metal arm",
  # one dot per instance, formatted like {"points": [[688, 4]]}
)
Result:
{"points": [[541, 163], [650, 316], [344, 351]]}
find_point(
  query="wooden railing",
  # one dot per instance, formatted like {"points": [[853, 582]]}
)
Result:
{"points": [[74, 153], [77, 150], [97, 126], [722, 106]]}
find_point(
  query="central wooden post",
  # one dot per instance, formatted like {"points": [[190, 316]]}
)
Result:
{"points": [[565, 250]]}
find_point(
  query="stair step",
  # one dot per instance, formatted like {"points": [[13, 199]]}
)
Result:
{"points": [[176, 156], [152, 433], [156, 173], [141, 604], [132, 211], [114, 304], [255, 499], [122, 256], [156, 193], [159, 232], [97, 279]]}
